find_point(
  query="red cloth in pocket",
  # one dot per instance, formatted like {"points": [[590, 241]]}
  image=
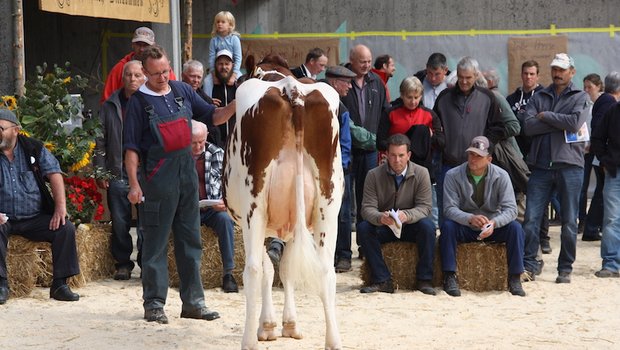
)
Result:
{"points": [[175, 134]]}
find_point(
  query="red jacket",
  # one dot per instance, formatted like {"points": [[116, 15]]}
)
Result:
{"points": [[384, 79], [115, 77]]}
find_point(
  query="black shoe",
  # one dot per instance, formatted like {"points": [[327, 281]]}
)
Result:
{"points": [[563, 277], [229, 285], [514, 285], [360, 253], [425, 287], [4, 294], [156, 315], [591, 237], [123, 274], [63, 293], [275, 253], [545, 247], [343, 265], [581, 227], [201, 314], [385, 287], [541, 264], [602, 273], [451, 284]]}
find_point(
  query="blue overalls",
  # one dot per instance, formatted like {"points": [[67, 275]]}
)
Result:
{"points": [[170, 187]]}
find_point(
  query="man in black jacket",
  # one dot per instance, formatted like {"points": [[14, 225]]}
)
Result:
{"points": [[34, 215]]}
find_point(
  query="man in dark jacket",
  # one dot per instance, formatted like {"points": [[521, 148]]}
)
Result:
{"points": [[550, 116]]}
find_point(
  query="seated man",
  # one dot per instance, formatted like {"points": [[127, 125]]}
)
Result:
{"points": [[405, 187], [209, 160], [27, 208], [479, 204]]}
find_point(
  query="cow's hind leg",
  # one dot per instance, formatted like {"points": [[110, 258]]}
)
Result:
{"points": [[289, 315], [267, 322]]}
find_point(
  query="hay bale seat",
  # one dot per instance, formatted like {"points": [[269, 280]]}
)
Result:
{"points": [[29, 263], [211, 263], [481, 266]]}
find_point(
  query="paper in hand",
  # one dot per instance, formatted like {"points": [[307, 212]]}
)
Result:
{"points": [[209, 202], [398, 225]]}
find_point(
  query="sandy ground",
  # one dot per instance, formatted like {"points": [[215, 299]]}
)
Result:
{"points": [[582, 315]]}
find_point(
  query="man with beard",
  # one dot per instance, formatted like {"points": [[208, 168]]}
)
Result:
{"points": [[222, 92], [28, 209]]}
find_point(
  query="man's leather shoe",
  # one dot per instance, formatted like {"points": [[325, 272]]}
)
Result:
{"points": [[4, 294], [63, 293], [591, 237], [201, 314], [425, 287], [451, 284], [602, 273], [563, 277], [122, 274], [545, 247], [385, 287], [343, 265], [229, 285], [514, 285], [156, 315]]}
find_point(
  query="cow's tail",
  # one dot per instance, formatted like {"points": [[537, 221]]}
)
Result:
{"points": [[301, 263]]}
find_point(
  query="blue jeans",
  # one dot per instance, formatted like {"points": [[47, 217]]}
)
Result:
{"points": [[363, 162], [439, 189], [452, 233], [121, 244], [610, 242], [343, 242], [371, 237], [567, 182], [224, 227]]}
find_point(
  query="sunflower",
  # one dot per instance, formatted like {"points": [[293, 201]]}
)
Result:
{"points": [[9, 101]]}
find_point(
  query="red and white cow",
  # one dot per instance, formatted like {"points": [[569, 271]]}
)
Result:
{"points": [[283, 178]]}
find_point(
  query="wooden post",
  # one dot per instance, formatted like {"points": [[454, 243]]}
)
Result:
{"points": [[187, 46], [18, 48]]}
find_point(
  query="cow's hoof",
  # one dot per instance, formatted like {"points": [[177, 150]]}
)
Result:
{"points": [[267, 331], [289, 329]]}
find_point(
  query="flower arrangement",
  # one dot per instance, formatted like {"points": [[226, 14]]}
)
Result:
{"points": [[49, 112]]}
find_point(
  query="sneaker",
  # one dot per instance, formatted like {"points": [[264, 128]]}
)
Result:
{"points": [[229, 285], [201, 314], [156, 315], [604, 273], [451, 284], [343, 265], [563, 277], [545, 246], [123, 274], [385, 287], [514, 285], [425, 287]]}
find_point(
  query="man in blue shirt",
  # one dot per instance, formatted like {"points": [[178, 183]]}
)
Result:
{"points": [[27, 208]]}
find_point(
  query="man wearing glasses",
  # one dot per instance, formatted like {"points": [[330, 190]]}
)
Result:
{"points": [[29, 210], [157, 142]]}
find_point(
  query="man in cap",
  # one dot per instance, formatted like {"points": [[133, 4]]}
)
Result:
{"points": [[479, 204], [142, 38], [550, 115], [224, 93], [35, 215]]}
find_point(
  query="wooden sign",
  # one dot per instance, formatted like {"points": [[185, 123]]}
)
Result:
{"points": [[541, 49], [135, 10]]}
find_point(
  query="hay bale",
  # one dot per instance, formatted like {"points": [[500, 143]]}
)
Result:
{"points": [[481, 266], [24, 265], [211, 263], [94, 255]]}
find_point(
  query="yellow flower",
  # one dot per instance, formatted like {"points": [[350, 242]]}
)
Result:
{"points": [[50, 146], [66, 80], [10, 102], [85, 159]]}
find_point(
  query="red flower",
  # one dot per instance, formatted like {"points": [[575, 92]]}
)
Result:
{"points": [[84, 199]]}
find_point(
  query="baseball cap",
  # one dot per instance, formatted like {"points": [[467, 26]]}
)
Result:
{"points": [[224, 52], [8, 115], [563, 61], [144, 35], [479, 145]]}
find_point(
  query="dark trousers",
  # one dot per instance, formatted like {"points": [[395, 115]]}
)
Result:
{"points": [[343, 242], [594, 218], [371, 237], [64, 253], [121, 244], [363, 162], [224, 228], [452, 233]]}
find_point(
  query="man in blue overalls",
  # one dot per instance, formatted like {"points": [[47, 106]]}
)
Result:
{"points": [[157, 139]]}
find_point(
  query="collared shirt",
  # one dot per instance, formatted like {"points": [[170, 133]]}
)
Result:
{"points": [[213, 160], [20, 197], [431, 92]]}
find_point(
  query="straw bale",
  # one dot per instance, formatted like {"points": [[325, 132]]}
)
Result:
{"points": [[93, 250], [211, 263], [23, 265], [481, 266]]}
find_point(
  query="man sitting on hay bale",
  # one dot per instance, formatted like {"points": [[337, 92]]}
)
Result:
{"points": [[27, 208], [402, 189], [479, 204]]}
